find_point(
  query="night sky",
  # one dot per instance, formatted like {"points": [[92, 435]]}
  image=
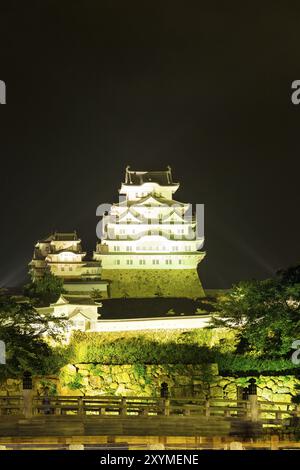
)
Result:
{"points": [[202, 86]]}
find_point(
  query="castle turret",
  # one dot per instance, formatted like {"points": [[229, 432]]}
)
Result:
{"points": [[62, 255]]}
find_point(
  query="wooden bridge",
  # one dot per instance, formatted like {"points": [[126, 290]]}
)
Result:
{"points": [[254, 409], [112, 419]]}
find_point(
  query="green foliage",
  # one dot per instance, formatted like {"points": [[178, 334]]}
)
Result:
{"points": [[96, 370], [22, 329], [266, 315], [52, 390], [96, 294], [235, 364], [222, 339], [141, 372], [290, 276], [243, 382], [76, 382], [145, 347], [45, 290], [202, 346]]}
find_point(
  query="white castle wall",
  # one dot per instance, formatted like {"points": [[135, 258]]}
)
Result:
{"points": [[160, 323]]}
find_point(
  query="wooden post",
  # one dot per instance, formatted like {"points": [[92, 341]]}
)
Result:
{"points": [[254, 407], [80, 409], [57, 409], [166, 406], [244, 409], [123, 410], [27, 403], [274, 442], [207, 408], [216, 442]]}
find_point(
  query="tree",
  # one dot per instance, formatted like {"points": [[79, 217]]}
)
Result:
{"points": [[96, 295], [290, 276], [24, 331], [45, 290], [266, 313]]}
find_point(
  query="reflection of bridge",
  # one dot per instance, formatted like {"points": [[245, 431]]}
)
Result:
{"points": [[138, 421]]}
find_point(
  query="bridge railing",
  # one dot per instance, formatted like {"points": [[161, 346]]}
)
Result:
{"points": [[12, 405], [252, 409]]}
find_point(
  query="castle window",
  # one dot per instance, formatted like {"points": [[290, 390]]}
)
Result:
{"points": [[155, 261], [142, 261], [129, 261], [62, 268], [117, 261], [168, 261]]}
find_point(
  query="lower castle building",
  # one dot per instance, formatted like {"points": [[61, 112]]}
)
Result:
{"points": [[61, 254]]}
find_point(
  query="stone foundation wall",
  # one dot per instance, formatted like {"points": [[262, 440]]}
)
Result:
{"points": [[153, 282], [184, 380], [133, 379]]}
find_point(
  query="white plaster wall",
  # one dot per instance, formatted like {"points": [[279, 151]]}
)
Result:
{"points": [[161, 323]]}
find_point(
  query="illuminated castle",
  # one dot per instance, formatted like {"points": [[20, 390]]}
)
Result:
{"points": [[149, 245]]}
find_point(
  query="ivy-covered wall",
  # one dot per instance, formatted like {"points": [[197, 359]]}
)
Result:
{"points": [[134, 379]]}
